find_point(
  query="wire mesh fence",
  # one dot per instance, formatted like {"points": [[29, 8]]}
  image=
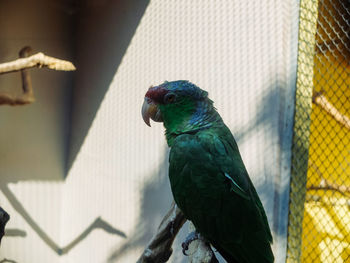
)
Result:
{"points": [[319, 220]]}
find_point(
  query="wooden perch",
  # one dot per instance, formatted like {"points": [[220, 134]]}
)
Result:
{"points": [[326, 185], [321, 100], [159, 249], [199, 250], [23, 64], [38, 60]]}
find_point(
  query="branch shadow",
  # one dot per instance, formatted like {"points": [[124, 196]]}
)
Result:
{"points": [[14, 232], [156, 200], [271, 191], [97, 223], [5, 260]]}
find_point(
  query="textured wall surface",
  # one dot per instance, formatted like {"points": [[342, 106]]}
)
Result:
{"points": [[242, 52]]}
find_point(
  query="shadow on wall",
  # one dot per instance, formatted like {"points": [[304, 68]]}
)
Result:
{"points": [[155, 202], [157, 196], [98, 223], [5, 260], [104, 31], [266, 120]]}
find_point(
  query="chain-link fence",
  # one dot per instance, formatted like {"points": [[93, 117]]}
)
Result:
{"points": [[319, 219]]}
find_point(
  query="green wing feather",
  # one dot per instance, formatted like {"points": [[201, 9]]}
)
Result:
{"points": [[211, 186]]}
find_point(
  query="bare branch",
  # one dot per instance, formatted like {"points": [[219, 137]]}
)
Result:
{"points": [[199, 250], [27, 96], [321, 100], [23, 64], [26, 79], [37, 60], [326, 185], [159, 249]]}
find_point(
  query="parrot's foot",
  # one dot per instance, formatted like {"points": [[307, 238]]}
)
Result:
{"points": [[191, 237]]}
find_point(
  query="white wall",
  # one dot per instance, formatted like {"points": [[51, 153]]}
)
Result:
{"points": [[242, 52]]}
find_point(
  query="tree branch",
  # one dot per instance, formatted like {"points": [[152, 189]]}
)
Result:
{"points": [[199, 250], [23, 64], [38, 60], [326, 185], [159, 249], [321, 100]]}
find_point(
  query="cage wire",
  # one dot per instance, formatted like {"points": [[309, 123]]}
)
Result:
{"points": [[319, 217]]}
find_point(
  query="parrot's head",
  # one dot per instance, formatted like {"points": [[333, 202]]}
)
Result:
{"points": [[180, 105]]}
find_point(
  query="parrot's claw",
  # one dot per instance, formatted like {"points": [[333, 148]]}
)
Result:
{"points": [[191, 237]]}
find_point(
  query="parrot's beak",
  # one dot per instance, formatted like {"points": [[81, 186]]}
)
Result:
{"points": [[150, 110]]}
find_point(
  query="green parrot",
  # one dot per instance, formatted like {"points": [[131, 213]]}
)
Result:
{"points": [[209, 181]]}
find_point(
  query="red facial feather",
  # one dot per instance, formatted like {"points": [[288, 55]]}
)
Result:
{"points": [[156, 94]]}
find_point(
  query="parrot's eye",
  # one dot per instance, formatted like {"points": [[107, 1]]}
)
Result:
{"points": [[169, 98]]}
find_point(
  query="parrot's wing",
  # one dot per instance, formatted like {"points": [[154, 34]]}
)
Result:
{"points": [[211, 186]]}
